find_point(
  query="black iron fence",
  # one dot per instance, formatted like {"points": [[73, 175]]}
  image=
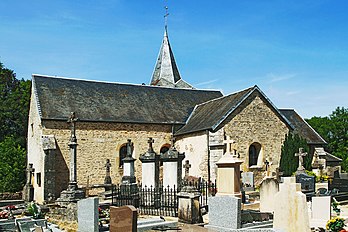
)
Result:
{"points": [[159, 201]]}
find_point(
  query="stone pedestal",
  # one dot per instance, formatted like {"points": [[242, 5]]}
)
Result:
{"points": [[189, 208], [290, 211], [228, 176]]}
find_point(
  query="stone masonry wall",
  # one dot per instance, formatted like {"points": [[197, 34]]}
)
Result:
{"points": [[255, 121], [98, 142]]}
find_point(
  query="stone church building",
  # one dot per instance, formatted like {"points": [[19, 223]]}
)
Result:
{"points": [[202, 122]]}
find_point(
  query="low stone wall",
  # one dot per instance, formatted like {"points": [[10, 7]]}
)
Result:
{"points": [[11, 196]]}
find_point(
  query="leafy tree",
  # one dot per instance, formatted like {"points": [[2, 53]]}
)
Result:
{"points": [[334, 129], [14, 109], [14, 106], [12, 165], [288, 160]]}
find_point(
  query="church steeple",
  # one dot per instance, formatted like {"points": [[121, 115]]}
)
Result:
{"points": [[166, 72]]}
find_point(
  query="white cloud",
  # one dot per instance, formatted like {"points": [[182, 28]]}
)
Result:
{"points": [[277, 78]]}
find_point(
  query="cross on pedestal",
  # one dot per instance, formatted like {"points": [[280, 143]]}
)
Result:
{"points": [[300, 155], [72, 120], [228, 143], [187, 167], [150, 142]]}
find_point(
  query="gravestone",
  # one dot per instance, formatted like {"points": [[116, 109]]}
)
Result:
{"points": [[150, 167], [307, 182], [321, 211], [290, 211], [248, 181], [224, 213], [88, 215], [172, 166], [228, 173], [129, 187], [123, 218], [268, 188]]}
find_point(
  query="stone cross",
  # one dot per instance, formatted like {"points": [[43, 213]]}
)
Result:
{"points": [[30, 171], [150, 141], [107, 179], [187, 167], [129, 148], [300, 155], [72, 120], [228, 143]]}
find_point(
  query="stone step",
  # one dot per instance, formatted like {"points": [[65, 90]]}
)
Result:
{"points": [[258, 225]]}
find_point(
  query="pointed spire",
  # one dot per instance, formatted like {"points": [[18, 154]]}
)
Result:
{"points": [[166, 72]]}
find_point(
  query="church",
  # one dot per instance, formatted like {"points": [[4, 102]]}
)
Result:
{"points": [[201, 121]]}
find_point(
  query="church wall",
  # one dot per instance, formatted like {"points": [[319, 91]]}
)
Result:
{"points": [[98, 142], [35, 151], [254, 122], [195, 147]]}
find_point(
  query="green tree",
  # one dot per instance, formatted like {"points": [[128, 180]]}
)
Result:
{"points": [[288, 160], [14, 109], [334, 129], [14, 106], [12, 168]]}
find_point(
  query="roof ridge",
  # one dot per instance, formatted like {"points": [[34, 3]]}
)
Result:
{"points": [[215, 99], [120, 83]]}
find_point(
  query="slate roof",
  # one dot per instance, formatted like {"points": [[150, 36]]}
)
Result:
{"points": [[209, 115], [302, 127], [113, 102]]}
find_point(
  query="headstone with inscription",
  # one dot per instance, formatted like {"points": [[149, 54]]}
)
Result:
{"points": [[123, 219]]}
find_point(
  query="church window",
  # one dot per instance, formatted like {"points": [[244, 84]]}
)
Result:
{"points": [[123, 154], [254, 153]]}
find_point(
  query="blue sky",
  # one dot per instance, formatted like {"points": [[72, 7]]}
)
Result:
{"points": [[295, 51]]}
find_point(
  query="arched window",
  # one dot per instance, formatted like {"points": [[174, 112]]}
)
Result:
{"points": [[254, 153], [123, 154]]}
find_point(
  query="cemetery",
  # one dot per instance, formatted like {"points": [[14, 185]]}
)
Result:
{"points": [[119, 157], [176, 202]]}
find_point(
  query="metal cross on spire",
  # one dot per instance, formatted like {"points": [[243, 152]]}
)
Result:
{"points": [[166, 16]]}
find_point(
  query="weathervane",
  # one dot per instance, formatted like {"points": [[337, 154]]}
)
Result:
{"points": [[166, 15]]}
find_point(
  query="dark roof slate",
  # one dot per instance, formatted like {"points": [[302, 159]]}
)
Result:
{"points": [[302, 127], [210, 115], [113, 102]]}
